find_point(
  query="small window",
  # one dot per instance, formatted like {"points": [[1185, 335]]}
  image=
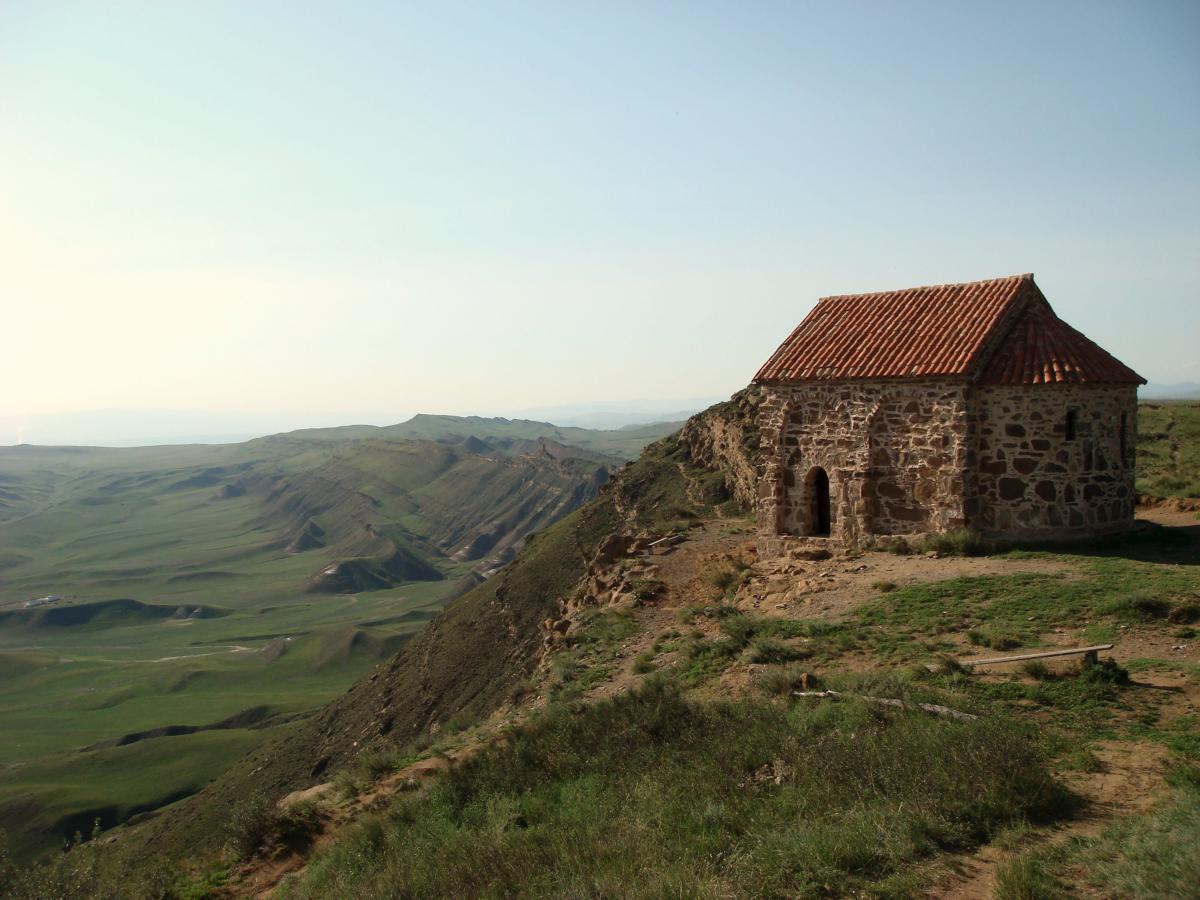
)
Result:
{"points": [[1071, 417]]}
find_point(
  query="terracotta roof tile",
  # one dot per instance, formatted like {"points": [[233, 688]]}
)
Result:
{"points": [[1041, 348], [1001, 329], [895, 334]]}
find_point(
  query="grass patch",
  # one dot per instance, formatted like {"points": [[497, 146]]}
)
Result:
{"points": [[1026, 878], [729, 792], [1006, 611], [956, 542], [1168, 449], [644, 664], [995, 639], [723, 580], [1155, 854], [1037, 669], [782, 680]]}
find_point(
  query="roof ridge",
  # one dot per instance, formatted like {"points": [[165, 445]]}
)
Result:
{"points": [[929, 287]]}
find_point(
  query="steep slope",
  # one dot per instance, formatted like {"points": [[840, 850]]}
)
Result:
{"points": [[812, 732], [466, 662]]}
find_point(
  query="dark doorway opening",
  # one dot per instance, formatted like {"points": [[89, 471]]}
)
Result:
{"points": [[818, 494]]}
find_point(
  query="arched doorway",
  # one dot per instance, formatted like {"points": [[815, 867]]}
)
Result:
{"points": [[817, 484]]}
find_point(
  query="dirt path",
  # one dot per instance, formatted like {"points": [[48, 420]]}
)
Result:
{"points": [[1129, 781]]}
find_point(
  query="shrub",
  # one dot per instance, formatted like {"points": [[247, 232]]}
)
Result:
{"points": [[520, 691], [647, 589], [948, 665], [739, 630], [1183, 613], [251, 825], [644, 663], [983, 637], [785, 679], [1140, 606], [1106, 671], [375, 763], [722, 580], [1024, 878], [956, 542], [884, 587], [1035, 668], [770, 650], [1082, 760], [900, 547], [349, 784], [689, 614], [460, 721]]}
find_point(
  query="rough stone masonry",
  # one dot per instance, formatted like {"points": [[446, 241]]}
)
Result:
{"points": [[929, 409]]}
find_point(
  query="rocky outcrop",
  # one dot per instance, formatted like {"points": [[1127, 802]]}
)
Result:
{"points": [[725, 439]]}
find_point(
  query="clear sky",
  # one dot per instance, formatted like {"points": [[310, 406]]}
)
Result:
{"points": [[336, 212]]}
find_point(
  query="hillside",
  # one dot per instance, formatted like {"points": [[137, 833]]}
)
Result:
{"points": [[808, 726], [199, 582], [1168, 447]]}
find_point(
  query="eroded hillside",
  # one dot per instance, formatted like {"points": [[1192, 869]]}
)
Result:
{"points": [[639, 706], [189, 585]]}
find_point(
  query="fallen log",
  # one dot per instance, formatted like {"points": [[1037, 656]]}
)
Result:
{"points": [[931, 708]]}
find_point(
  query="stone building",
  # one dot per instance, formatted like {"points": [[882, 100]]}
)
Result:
{"points": [[934, 408]]}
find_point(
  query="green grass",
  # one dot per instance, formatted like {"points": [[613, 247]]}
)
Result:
{"points": [[129, 536], [747, 799], [1156, 854], [1005, 611], [1168, 449], [1153, 855]]}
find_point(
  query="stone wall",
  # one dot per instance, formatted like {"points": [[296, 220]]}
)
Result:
{"points": [[1031, 479], [725, 439], [894, 453]]}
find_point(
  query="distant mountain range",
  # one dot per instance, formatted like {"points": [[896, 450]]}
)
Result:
{"points": [[142, 428], [1184, 390]]}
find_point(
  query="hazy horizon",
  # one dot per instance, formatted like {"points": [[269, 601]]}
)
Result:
{"points": [[139, 428], [482, 210]]}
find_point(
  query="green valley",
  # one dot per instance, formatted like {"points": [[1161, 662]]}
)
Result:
{"points": [[164, 609]]}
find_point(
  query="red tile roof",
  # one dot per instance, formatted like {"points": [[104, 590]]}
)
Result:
{"points": [[1040, 348], [950, 330]]}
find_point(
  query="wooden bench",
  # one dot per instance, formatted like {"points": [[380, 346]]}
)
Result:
{"points": [[1091, 656]]}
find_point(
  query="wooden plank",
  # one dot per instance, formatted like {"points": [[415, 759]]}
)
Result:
{"points": [[1089, 651], [668, 540]]}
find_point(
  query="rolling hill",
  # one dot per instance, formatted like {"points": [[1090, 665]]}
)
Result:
{"points": [[198, 582], [783, 727]]}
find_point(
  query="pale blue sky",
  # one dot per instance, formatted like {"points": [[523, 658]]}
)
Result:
{"points": [[354, 211]]}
